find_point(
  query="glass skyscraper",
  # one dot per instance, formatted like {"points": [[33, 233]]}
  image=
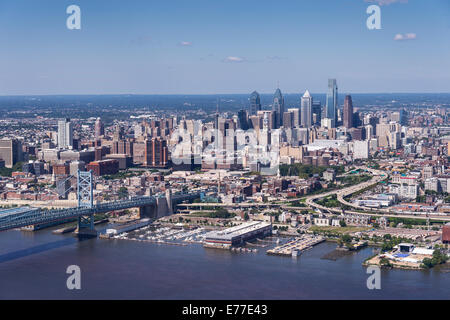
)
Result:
{"points": [[332, 102], [306, 110], [255, 103], [65, 134], [278, 106], [348, 112]]}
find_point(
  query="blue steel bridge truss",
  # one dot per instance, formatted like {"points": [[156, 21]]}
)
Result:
{"points": [[25, 216]]}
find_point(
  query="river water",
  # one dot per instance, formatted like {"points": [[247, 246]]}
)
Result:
{"points": [[33, 266]]}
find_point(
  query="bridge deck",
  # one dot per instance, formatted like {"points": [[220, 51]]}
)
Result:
{"points": [[37, 216], [21, 217]]}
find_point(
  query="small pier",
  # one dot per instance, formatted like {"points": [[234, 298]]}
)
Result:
{"points": [[296, 246]]}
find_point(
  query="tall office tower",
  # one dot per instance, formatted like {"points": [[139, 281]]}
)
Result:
{"points": [[399, 116], [99, 129], [356, 119], [306, 110], [118, 133], [278, 106], [11, 152], [348, 112], [270, 116], [317, 112], [139, 130], [369, 132], [225, 133], [288, 120], [65, 134], [403, 117], [243, 119], [265, 133], [255, 103], [296, 115], [332, 102]]}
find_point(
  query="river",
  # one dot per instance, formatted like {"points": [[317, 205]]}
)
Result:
{"points": [[33, 266]]}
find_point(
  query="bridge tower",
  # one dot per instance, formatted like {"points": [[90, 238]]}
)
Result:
{"points": [[85, 195]]}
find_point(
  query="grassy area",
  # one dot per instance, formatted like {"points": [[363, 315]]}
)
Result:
{"points": [[218, 213], [7, 172], [305, 171], [297, 203], [332, 202], [122, 175], [337, 230], [348, 181]]}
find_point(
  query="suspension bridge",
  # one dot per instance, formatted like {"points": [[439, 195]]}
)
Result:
{"points": [[86, 209]]}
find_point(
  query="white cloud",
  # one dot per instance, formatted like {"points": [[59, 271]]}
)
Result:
{"points": [[406, 36], [233, 59], [386, 2], [185, 43]]}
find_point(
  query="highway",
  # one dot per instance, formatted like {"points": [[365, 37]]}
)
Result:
{"points": [[378, 176]]}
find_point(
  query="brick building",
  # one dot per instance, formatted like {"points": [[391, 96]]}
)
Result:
{"points": [[100, 168]]}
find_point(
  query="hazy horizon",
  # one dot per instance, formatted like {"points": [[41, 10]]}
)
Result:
{"points": [[216, 94]]}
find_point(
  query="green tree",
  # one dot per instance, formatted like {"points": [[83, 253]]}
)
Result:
{"points": [[385, 262], [122, 193], [346, 240], [387, 246]]}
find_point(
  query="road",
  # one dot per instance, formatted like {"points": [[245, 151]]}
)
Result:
{"points": [[378, 176]]}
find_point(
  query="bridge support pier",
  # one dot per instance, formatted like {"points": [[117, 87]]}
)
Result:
{"points": [[147, 212], [85, 228], [85, 196]]}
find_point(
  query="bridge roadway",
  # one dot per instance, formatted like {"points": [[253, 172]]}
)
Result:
{"points": [[38, 216]]}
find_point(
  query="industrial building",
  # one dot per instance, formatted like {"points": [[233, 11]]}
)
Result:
{"points": [[237, 235]]}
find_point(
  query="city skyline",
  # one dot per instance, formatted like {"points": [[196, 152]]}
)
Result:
{"points": [[213, 150], [167, 49]]}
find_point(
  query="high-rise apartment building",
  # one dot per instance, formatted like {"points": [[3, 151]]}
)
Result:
{"points": [[151, 153]]}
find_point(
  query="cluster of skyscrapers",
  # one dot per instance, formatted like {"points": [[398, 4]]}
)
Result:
{"points": [[309, 114]]}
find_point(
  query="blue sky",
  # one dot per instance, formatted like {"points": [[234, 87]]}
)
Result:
{"points": [[217, 46]]}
